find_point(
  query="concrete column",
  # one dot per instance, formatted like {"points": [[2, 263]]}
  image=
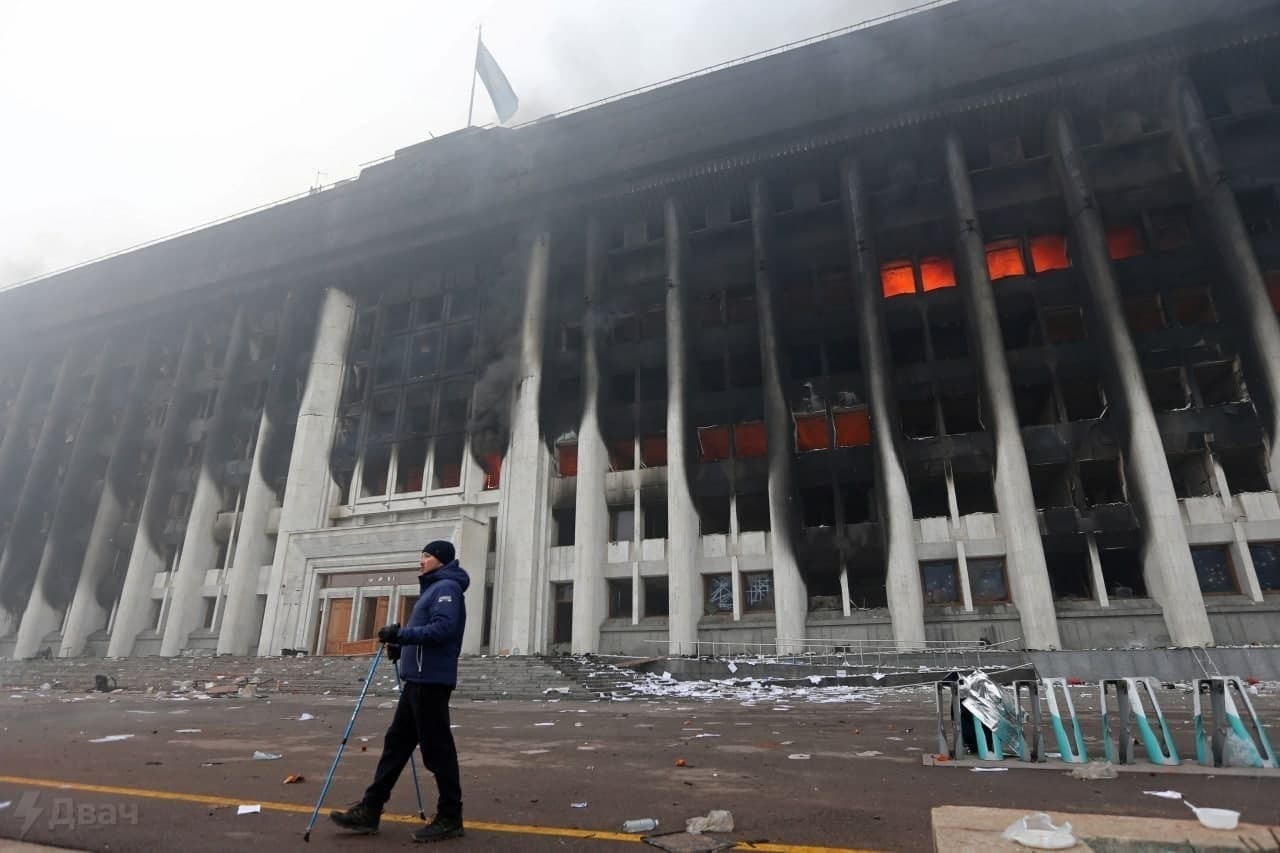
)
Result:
{"points": [[199, 549], [12, 446], [22, 549], [147, 556], [591, 509], [1167, 567], [902, 568], [240, 627], [1028, 575], [684, 586], [309, 485], [1198, 153], [520, 588], [88, 612], [790, 596], [50, 595]]}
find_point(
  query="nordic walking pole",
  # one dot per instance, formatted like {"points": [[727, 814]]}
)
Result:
{"points": [[377, 656], [413, 765]]}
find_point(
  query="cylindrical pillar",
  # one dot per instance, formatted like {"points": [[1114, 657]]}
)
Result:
{"points": [[903, 589], [1169, 572], [684, 587], [1024, 550], [790, 597], [591, 509], [309, 484], [1198, 153], [13, 445], [199, 548], [520, 588], [88, 612]]}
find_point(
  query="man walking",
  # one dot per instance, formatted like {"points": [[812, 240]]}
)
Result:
{"points": [[429, 646]]}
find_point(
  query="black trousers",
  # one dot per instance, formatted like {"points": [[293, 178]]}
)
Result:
{"points": [[422, 719]]}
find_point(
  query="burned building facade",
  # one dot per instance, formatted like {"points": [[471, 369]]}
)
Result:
{"points": [[962, 326]]}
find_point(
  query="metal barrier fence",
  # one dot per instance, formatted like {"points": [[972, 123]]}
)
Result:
{"points": [[879, 654]]}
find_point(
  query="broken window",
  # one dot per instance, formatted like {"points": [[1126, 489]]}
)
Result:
{"points": [[622, 454], [757, 590], [1035, 404], [1049, 252], [897, 278], [853, 427], [961, 413], [459, 342], [389, 367], [1167, 389], [987, 582], [565, 520], [654, 514], [753, 512], [626, 329], [1019, 328], [1004, 259], [843, 357], [1245, 469], [377, 462], [1101, 481], [941, 582], [740, 304], [918, 418], [411, 459], [713, 514], [812, 433], [567, 459], [749, 441], [806, 361], [1214, 570], [1169, 229], [906, 344], [428, 310], [656, 602], [928, 495], [818, 506], [1218, 383], [1082, 399], [858, 500], [622, 388], [975, 492], [1064, 325], [1070, 576], [1143, 313], [1193, 306], [651, 384], [1122, 572], [937, 273], [1192, 476], [1123, 242], [711, 377], [447, 465], [622, 523], [713, 442], [619, 598], [947, 335], [745, 370], [1266, 564], [653, 324], [718, 590], [653, 451]]}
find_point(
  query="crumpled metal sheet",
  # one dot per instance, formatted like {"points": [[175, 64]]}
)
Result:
{"points": [[994, 706]]}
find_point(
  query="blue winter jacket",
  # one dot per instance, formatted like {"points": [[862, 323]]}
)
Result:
{"points": [[432, 639]]}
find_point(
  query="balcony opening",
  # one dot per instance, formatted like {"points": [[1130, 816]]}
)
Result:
{"points": [[564, 519], [1245, 469], [859, 501], [1019, 328], [961, 413], [918, 418], [1192, 476], [1144, 314], [1168, 390], [1082, 399], [1051, 485], [1122, 572], [1219, 383], [753, 512], [1101, 481], [713, 514], [975, 492], [818, 506], [928, 495], [906, 344], [1070, 576], [622, 522], [948, 338], [654, 516], [1064, 325], [1035, 404], [1193, 306]]}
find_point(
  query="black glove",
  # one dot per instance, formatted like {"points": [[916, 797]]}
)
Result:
{"points": [[389, 633], [393, 653]]}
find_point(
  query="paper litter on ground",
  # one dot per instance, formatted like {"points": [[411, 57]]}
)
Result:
{"points": [[254, 809], [1168, 795], [305, 716], [188, 731], [799, 756], [577, 805], [259, 755], [990, 770], [110, 738]]}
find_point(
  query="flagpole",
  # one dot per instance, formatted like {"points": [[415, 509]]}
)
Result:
{"points": [[471, 104]]}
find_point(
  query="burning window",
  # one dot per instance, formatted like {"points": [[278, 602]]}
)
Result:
{"points": [[853, 427], [713, 442], [1143, 313], [749, 440], [1049, 252], [897, 278], [1124, 242], [1064, 325], [653, 451], [1004, 259], [1193, 306], [812, 433], [411, 460], [491, 464], [937, 273], [1273, 289], [622, 454], [1214, 570]]}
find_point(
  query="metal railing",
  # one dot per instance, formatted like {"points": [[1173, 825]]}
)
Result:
{"points": [[850, 653]]}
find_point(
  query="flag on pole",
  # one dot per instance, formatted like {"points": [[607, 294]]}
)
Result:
{"points": [[500, 91]]}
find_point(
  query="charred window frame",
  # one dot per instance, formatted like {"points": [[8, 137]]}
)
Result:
{"points": [[619, 591], [1215, 570], [1122, 572], [655, 594], [1245, 469]]}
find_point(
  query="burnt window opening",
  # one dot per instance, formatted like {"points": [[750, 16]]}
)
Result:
{"points": [[818, 506], [377, 461], [1051, 485], [1019, 328], [711, 375], [907, 344], [740, 304], [655, 226], [1266, 564], [571, 338], [988, 583], [975, 492], [619, 598], [446, 468], [696, 217], [1245, 469], [948, 337], [1168, 390], [1082, 399], [622, 388], [626, 329], [843, 357], [961, 413], [713, 514], [651, 384], [1035, 404], [828, 187], [744, 370], [1192, 474], [1214, 570], [859, 501], [655, 594], [753, 512], [622, 521], [918, 418], [928, 496], [1101, 481], [1070, 576], [1143, 313], [739, 208], [806, 361], [1064, 325], [564, 519], [1193, 306], [411, 462], [654, 515], [1122, 572], [1219, 383], [428, 310], [1169, 228], [941, 582]]}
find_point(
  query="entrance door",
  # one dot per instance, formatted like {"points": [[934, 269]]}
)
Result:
{"points": [[562, 623], [406, 607], [373, 615], [339, 626]]}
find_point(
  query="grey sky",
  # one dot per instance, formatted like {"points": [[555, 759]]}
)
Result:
{"points": [[125, 121]]}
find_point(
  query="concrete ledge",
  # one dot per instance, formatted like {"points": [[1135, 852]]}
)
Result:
{"points": [[958, 829], [1186, 768]]}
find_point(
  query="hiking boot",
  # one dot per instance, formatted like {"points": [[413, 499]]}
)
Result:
{"points": [[439, 828], [359, 818]]}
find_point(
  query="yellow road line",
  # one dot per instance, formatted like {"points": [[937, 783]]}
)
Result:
{"points": [[294, 808]]}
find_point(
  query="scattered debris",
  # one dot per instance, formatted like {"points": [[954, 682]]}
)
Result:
{"points": [[110, 738], [680, 762], [533, 751], [188, 731], [716, 820], [1094, 771], [259, 755], [294, 779], [799, 756], [1168, 795], [386, 705], [870, 753], [211, 764], [1039, 832], [254, 809], [305, 716], [6, 804], [641, 824], [577, 805], [989, 770]]}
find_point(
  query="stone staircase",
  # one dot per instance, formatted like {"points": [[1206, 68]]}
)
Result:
{"points": [[478, 677], [602, 677]]}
